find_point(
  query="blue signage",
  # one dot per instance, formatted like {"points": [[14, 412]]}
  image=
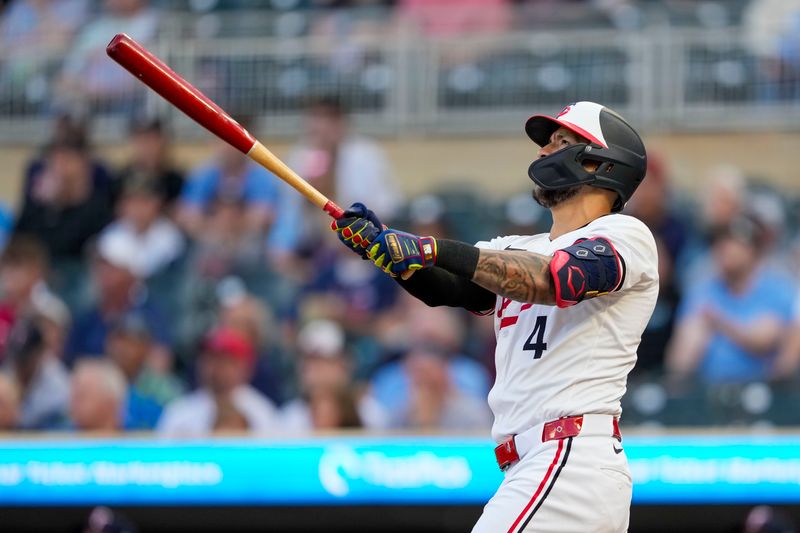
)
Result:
{"points": [[367, 470]]}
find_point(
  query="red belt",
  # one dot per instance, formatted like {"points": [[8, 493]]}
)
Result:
{"points": [[569, 426]]}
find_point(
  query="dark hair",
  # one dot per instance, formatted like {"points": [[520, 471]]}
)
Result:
{"points": [[744, 227], [25, 340], [75, 144], [346, 400], [25, 249], [69, 126], [328, 104], [146, 124]]}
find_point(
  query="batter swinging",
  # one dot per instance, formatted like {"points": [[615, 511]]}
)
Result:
{"points": [[569, 310]]}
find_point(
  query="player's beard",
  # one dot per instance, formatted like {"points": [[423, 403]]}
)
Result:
{"points": [[549, 199]]}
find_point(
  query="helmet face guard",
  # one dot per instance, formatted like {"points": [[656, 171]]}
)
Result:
{"points": [[561, 170]]}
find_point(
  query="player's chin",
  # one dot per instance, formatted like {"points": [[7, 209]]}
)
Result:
{"points": [[549, 199]]}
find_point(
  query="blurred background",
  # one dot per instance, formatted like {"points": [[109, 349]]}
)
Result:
{"points": [[184, 346]]}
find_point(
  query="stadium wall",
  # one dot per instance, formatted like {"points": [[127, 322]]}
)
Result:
{"points": [[422, 164]]}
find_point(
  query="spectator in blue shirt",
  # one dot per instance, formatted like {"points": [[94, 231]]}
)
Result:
{"points": [[435, 331], [231, 179], [117, 281], [730, 324], [128, 345]]}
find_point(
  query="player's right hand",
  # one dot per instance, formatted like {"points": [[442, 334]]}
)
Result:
{"points": [[358, 228]]}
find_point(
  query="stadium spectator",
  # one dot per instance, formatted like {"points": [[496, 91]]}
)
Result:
{"points": [[229, 178], [9, 402], [42, 378], [436, 327], [770, 30], [340, 164], [226, 247], [54, 319], [142, 226], [70, 129], [150, 160], [787, 362], [729, 324], [654, 205], [325, 374], [433, 401], [334, 408], [33, 37], [65, 208], [227, 250], [6, 224], [23, 267], [105, 520], [97, 396], [341, 284], [723, 197], [88, 76], [443, 18], [116, 277], [766, 519], [228, 206], [253, 318], [224, 400], [128, 345]]}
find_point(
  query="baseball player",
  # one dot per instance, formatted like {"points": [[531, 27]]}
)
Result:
{"points": [[569, 310]]}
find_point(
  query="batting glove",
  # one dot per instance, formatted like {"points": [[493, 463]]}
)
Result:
{"points": [[357, 228], [399, 253]]}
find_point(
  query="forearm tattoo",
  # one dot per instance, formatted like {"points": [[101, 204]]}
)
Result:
{"points": [[515, 274]]}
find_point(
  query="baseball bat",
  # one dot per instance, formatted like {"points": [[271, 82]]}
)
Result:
{"points": [[151, 71]]}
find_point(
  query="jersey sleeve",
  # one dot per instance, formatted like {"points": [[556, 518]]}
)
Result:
{"points": [[498, 243], [635, 245]]}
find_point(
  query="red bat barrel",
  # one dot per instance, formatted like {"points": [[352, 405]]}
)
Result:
{"points": [[180, 93]]}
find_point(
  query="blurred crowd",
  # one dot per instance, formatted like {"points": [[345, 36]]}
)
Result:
{"points": [[143, 297], [190, 301]]}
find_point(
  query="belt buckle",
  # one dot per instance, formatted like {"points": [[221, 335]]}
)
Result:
{"points": [[506, 453], [569, 426]]}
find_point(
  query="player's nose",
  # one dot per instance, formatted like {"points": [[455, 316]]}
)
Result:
{"points": [[545, 150]]}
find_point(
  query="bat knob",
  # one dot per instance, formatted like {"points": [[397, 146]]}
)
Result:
{"points": [[333, 210]]}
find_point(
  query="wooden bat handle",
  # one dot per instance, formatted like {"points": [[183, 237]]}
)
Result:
{"points": [[264, 157]]}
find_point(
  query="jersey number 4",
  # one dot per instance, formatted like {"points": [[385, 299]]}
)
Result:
{"points": [[538, 345]]}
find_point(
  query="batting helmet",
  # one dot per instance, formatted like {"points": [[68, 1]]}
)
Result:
{"points": [[614, 145]]}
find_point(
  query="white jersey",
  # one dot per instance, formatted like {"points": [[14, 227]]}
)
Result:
{"points": [[554, 362]]}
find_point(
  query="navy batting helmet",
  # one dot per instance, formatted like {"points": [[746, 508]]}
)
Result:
{"points": [[614, 146]]}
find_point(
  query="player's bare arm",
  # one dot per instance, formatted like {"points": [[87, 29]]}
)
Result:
{"points": [[517, 275]]}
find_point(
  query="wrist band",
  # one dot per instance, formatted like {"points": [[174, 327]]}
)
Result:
{"points": [[457, 257]]}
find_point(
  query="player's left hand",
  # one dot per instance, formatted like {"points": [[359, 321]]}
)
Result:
{"points": [[400, 253]]}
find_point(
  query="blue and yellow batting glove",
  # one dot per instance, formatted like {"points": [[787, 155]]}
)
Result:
{"points": [[399, 253], [358, 228]]}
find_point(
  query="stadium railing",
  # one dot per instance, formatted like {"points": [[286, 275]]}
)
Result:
{"points": [[403, 83]]}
